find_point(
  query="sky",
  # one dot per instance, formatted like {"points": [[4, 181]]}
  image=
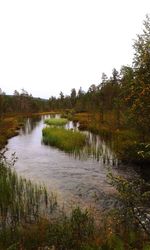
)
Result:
{"points": [[48, 46]]}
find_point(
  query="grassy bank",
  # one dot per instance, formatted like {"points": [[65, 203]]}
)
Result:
{"points": [[66, 140], [10, 124], [56, 121], [9, 127]]}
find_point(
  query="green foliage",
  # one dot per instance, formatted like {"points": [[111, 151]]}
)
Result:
{"points": [[134, 197], [67, 140], [138, 153], [73, 232], [116, 243], [146, 247], [56, 121], [68, 114], [139, 88]]}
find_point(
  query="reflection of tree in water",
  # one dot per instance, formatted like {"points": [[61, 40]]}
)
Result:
{"points": [[30, 124], [97, 149]]}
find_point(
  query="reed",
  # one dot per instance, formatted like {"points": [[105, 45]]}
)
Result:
{"points": [[67, 140], [21, 201], [56, 121]]}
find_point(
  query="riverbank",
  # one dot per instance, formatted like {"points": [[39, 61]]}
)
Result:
{"points": [[126, 142], [9, 127], [12, 122]]}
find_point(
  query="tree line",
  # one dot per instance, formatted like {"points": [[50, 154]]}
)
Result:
{"points": [[22, 102]]}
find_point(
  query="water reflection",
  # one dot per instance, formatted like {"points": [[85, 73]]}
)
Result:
{"points": [[96, 148], [78, 176], [29, 125]]}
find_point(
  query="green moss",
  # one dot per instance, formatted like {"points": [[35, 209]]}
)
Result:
{"points": [[67, 140]]}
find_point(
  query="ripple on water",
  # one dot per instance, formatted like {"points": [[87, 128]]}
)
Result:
{"points": [[81, 180]]}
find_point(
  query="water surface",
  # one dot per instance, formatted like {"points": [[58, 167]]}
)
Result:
{"points": [[75, 178]]}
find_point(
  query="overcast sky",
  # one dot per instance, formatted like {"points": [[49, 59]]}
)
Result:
{"points": [[51, 45]]}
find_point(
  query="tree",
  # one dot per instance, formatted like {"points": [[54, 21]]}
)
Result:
{"points": [[73, 93], [73, 97], [16, 93], [104, 79], [61, 95], [139, 96], [142, 51], [92, 88], [2, 100], [115, 76]]}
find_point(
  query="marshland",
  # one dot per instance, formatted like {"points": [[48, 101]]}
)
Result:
{"points": [[74, 170]]}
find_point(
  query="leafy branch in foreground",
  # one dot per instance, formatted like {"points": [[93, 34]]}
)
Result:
{"points": [[134, 196]]}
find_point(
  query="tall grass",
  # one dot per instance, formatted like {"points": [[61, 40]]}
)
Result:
{"points": [[67, 140], [56, 121], [20, 200]]}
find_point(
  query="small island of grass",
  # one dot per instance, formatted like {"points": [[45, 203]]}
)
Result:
{"points": [[67, 140], [56, 121]]}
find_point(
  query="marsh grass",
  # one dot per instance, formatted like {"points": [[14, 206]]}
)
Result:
{"points": [[21, 201], [67, 140], [56, 121]]}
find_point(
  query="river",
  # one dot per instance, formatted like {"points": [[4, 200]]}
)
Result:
{"points": [[76, 179]]}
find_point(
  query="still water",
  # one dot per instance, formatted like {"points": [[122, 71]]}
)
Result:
{"points": [[79, 178]]}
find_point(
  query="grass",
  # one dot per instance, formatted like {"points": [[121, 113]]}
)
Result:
{"points": [[21, 203], [56, 121], [19, 198], [67, 140]]}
